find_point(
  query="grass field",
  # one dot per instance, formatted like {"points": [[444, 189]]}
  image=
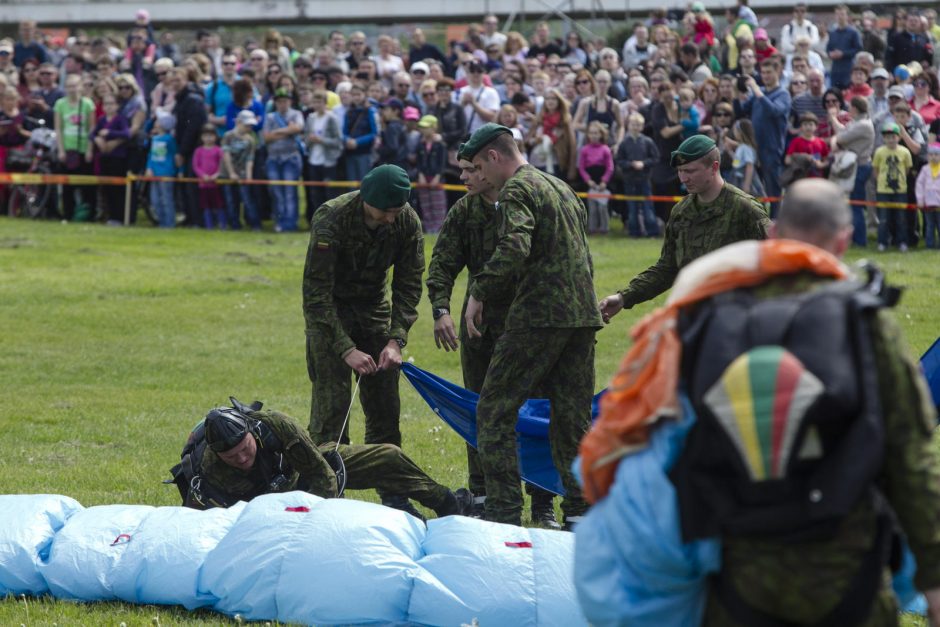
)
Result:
{"points": [[115, 341]]}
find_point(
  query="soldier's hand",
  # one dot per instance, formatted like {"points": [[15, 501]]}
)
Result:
{"points": [[390, 357], [474, 316], [610, 306], [445, 334], [361, 362]]}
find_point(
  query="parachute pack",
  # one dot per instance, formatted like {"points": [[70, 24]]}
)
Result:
{"points": [[789, 436]]}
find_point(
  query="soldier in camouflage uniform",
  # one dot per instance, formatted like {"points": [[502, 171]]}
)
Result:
{"points": [[548, 343], [468, 239], [351, 325], [799, 583], [714, 214], [236, 463]]}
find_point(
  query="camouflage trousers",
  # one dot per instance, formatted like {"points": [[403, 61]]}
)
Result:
{"points": [[332, 389], [386, 468], [475, 356], [558, 362]]}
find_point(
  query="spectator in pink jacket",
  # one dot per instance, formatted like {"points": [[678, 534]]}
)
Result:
{"points": [[207, 161], [927, 191], [596, 166]]}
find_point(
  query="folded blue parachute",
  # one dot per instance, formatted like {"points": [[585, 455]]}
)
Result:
{"points": [[930, 364], [294, 558], [458, 408]]}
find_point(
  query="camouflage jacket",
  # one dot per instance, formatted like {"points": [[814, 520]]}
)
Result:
{"points": [[306, 466], [694, 229], [344, 286], [543, 251], [801, 582], [467, 240]]}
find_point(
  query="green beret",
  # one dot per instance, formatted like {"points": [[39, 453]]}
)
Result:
{"points": [[386, 187], [480, 138], [691, 149]]}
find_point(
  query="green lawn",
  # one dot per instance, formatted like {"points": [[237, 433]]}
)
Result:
{"points": [[115, 341]]}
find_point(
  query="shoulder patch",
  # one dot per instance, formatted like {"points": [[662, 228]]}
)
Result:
{"points": [[323, 246]]}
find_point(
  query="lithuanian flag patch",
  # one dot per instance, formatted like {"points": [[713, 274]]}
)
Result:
{"points": [[323, 246]]}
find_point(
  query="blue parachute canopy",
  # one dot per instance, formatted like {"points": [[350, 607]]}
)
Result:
{"points": [[930, 364], [458, 408]]}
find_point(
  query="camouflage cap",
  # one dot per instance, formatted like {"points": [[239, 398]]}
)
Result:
{"points": [[386, 187], [480, 138], [692, 149]]}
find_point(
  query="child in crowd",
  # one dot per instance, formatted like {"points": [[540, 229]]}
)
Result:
{"points": [[410, 117], [596, 166], [360, 131], [636, 156], [703, 28], [207, 163], [890, 166], [928, 195], [551, 138], [109, 139], [744, 174], [325, 137], [393, 145], [238, 159], [689, 116], [161, 162], [432, 158], [808, 143]]}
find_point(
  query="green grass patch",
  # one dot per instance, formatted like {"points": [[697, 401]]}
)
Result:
{"points": [[116, 341]]}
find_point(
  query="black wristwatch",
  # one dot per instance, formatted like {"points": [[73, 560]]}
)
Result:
{"points": [[401, 343], [439, 312]]}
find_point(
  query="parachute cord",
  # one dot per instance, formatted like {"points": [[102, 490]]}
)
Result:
{"points": [[352, 400]]}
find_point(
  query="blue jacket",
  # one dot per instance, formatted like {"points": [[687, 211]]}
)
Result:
{"points": [[849, 42], [769, 114], [360, 125]]}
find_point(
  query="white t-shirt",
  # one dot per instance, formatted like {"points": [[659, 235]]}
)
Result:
{"points": [[487, 97], [316, 125]]}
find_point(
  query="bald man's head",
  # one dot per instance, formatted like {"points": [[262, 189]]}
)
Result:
{"points": [[815, 211]]}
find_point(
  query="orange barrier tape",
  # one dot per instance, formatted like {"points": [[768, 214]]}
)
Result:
{"points": [[16, 178]]}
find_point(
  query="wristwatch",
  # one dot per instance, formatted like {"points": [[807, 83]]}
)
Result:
{"points": [[401, 343], [439, 312]]}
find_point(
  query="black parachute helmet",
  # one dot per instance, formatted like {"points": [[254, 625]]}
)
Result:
{"points": [[225, 428]]}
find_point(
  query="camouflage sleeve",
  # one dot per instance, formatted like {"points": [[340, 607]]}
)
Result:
{"points": [[406, 280], [447, 259], [302, 454], [912, 467], [513, 247], [756, 222], [320, 315], [657, 278]]}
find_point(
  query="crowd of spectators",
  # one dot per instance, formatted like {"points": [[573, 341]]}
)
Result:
{"points": [[843, 96]]}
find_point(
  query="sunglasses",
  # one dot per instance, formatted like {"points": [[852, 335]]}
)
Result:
{"points": [[46, 73], [798, 82], [257, 58], [230, 63], [721, 114], [582, 81], [357, 43], [831, 101], [427, 94], [920, 83], [418, 72]]}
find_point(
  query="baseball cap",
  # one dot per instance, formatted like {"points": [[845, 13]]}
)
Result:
{"points": [[902, 72], [426, 121], [475, 66], [896, 92], [880, 72], [760, 33], [934, 148], [143, 15], [394, 103], [420, 66], [698, 7], [6, 47], [410, 113], [281, 93], [890, 127], [247, 118]]}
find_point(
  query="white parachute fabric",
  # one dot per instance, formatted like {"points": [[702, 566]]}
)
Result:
{"points": [[293, 558], [28, 524], [304, 559], [498, 574]]}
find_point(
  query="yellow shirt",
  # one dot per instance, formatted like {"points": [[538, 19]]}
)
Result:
{"points": [[892, 166], [934, 169]]}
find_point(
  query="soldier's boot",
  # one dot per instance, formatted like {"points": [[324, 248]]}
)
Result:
{"points": [[571, 522], [478, 508], [457, 503], [543, 511], [397, 501]]}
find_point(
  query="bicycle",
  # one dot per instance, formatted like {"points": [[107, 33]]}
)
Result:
{"points": [[37, 157]]}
